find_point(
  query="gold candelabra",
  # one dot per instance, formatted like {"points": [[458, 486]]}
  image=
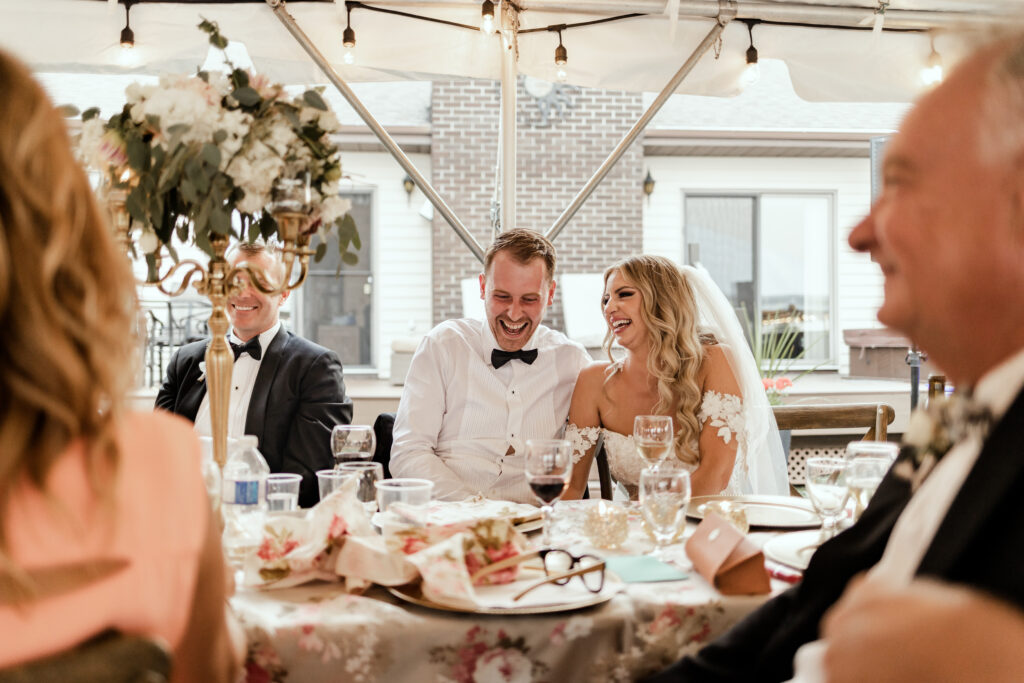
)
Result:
{"points": [[219, 280]]}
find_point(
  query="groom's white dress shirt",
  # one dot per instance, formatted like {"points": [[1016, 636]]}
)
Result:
{"points": [[463, 424]]}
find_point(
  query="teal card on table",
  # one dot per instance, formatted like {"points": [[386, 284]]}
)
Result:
{"points": [[643, 569]]}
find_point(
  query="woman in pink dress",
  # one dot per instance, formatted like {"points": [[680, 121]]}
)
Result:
{"points": [[104, 521]]}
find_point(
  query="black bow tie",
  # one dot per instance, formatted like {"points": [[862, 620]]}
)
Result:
{"points": [[251, 347], [499, 357]]}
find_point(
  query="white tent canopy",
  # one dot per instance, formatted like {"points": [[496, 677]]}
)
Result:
{"points": [[826, 62]]}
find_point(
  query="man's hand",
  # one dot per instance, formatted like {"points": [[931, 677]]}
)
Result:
{"points": [[927, 631]]}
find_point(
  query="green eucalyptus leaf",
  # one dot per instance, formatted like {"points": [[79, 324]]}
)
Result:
{"points": [[313, 99], [138, 154], [203, 240], [268, 226], [246, 96], [172, 251], [68, 111], [90, 113], [321, 251], [151, 274], [188, 191], [350, 258], [204, 76], [220, 136], [183, 231], [254, 231], [220, 220], [135, 203], [211, 154]]}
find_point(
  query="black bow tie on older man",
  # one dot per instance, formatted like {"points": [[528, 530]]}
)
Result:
{"points": [[251, 347], [499, 357]]}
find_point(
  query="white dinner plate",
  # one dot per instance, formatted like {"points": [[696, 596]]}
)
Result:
{"points": [[794, 549], [497, 599], [766, 512]]}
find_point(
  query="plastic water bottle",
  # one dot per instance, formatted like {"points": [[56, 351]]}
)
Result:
{"points": [[245, 478]]}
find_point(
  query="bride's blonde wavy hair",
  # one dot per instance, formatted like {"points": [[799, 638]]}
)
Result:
{"points": [[67, 301], [675, 342]]}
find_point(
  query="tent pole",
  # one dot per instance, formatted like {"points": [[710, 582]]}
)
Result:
{"points": [[509, 83], [378, 130], [728, 12]]}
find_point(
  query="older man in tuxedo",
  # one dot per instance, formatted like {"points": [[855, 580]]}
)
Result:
{"points": [[948, 234], [285, 390]]}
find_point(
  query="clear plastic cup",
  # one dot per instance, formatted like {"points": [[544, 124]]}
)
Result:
{"points": [[283, 492], [330, 481], [405, 501], [367, 474]]}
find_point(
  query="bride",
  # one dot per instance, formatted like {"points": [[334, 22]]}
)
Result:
{"points": [[686, 357]]}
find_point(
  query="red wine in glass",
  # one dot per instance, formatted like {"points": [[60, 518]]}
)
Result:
{"points": [[548, 489]]}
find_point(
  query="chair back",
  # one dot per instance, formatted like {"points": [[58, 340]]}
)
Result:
{"points": [[604, 474], [873, 417], [383, 430], [110, 657]]}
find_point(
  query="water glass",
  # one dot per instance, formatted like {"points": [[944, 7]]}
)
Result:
{"points": [[828, 490], [654, 437], [863, 477], [283, 492], [872, 449], [548, 468], [330, 481], [352, 442], [664, 496], [406, 500], [367, 474]]}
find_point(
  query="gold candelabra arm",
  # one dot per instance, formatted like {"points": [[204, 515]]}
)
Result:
{"points": [[194, 269]]}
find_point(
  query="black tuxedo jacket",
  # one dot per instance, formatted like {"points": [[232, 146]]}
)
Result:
{"points": [[298, 397], [978, 544]]}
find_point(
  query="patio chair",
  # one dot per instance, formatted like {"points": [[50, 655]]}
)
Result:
{"points": [[110, 657]]}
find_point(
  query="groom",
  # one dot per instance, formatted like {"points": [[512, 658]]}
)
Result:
{"points": [[285, 390], [948, 234]]}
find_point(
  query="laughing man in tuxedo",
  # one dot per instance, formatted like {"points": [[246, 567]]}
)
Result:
{"points": [[478, 390], [285, 390], [948, 234]]}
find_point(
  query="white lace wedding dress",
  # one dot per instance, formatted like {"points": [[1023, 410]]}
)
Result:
{"points": [[725, 411]]}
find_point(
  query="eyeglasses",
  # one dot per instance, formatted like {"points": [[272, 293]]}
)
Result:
{"points": [[560, 566]]}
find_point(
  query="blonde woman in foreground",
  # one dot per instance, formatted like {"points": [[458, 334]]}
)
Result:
{"points": [[104, 521], [685, 357]]}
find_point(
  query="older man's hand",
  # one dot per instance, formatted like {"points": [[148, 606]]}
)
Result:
{"points": [[927, 631]]}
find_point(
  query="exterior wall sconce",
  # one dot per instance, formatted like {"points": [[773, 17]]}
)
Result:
{"points": [[408, 185], [648, 185]]}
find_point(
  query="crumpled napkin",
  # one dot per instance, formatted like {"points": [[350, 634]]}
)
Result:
{"points": [[333, 540]]}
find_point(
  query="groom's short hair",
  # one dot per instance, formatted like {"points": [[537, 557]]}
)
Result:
{"points": [[523, 245]]}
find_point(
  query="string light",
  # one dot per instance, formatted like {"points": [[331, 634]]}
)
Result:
{"points": [[932, 73], [487, 17], [127, 35], [348, 37], [561, 57], [753, 70]]}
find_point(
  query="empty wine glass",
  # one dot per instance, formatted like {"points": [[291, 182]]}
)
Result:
{"points": [[654, 437], [664, 495], [863, 477], [872, 449], [548, 467], [828, 490], [352, 443]]}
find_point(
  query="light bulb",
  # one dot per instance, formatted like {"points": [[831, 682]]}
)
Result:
{"points": [[750, 75], [560, 75], [487, 17], [932, 75], [348, 57], [488, 24]]}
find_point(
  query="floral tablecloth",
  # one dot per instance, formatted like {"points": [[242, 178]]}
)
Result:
{"points": [[319, 633]]}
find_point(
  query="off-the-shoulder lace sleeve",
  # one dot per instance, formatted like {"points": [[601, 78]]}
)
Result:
{"points": [[582, 440], [725, 412]]}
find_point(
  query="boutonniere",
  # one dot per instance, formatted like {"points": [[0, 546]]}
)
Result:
{"points": [[932, 432], [202, 371]]}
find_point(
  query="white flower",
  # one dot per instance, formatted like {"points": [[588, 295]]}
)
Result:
{"points": [[202, 371], [333, 208], [578, 627], [503, 666], [919, 430]]}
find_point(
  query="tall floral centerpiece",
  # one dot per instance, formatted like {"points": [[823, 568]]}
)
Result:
{"points": [[775, 354], [214, 158]]}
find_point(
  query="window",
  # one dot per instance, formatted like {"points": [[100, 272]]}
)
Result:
{"points": [[772, 256], [337, 304]]}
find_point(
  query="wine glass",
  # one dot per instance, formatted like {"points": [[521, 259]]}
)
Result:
{"points": [[828, 490], [664, 495], [654, 437], [872, 449], [863, 477], [548, 467], [352, 443]]}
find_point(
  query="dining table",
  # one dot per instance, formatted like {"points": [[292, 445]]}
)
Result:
{"points": [[319, 632]]}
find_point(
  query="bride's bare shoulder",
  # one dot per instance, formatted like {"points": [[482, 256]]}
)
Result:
{"points": [[715, 370]]}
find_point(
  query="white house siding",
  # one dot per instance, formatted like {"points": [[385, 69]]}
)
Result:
{"points": [[858, 282], [402, 282]]}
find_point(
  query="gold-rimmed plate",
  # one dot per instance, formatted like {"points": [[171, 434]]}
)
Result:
{"points": [[793, 550], [765, 512], [497, 599]]}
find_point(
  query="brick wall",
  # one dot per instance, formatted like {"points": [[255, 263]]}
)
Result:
{"points": [[555, 157]]}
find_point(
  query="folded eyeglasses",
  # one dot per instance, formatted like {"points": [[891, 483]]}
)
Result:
{"points": [[560, 566]]}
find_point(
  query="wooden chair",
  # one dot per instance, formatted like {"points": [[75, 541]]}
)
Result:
{"points": [[874, 417], [110, 657]]}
